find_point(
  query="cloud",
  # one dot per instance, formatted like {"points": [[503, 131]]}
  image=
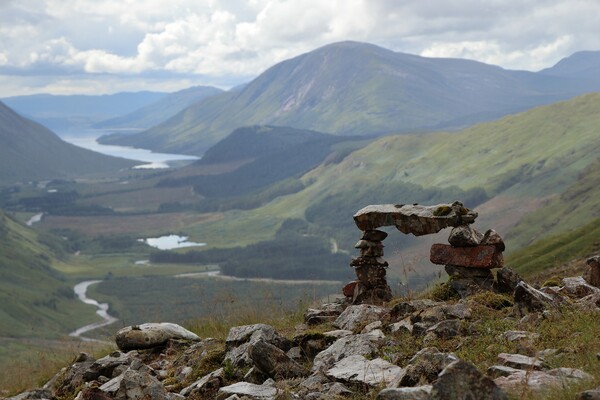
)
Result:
{"points": [[234, 40]]}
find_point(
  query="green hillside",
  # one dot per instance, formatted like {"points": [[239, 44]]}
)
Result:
{"points": [[36, 300], [159, 111], [29, 151], [352, 88]]}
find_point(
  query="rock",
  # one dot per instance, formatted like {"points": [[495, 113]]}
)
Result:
{"points": [[339, 333], [405, 393], [327, 313], [540, 381], [72, 377], [36, 394], [593, 394], [476, 257], [492, 238], [250, 333], [496, 371], [336, 390], [521, 362], [273, 362], [150, 335], [134, 384], [415, 219], [357, 369], [513, 336], [349, 288], [404, 325], [465, 236], [506, 280], [461, 380], [425, 366], [250, 390], [207, 385], [374, 235], [593, 277], [527, 299], [347, 346], [372, 326], [467, 281], [578, 287], [356, 317], [111, 365], [401, 310], [446, 329], [589, 303]]}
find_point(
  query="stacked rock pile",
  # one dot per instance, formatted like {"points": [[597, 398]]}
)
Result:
{"points": [[470, 258]]}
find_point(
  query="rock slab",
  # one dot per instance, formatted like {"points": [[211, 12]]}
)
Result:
{"points": [[150, 335], [475, 257]]}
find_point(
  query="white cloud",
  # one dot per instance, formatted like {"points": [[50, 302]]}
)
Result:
{"points": [[238, 39]]}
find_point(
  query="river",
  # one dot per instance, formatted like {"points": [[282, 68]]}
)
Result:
{"points": [[107, 319]]}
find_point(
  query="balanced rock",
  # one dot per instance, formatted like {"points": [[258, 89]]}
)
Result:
{"points": [[492, 238], [150, 335], [476, 257], [465, 236], [416, 219]]}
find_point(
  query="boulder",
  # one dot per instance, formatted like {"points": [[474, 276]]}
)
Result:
{"points": [[465, 236], [150, 335], [374, 235], [416, 219], [540, 381], [356, 317], [273, 362], [593, 276], [248, 390], [476, 257], [461, 380], [405, 393], [520, 361], [506, 280], [359, 370], [528, 299], [425, 366], [363, 345]]}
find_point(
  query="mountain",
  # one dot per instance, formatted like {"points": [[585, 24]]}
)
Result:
{"points": [[36, 300], [583, 65], [29, 151], [72, 112], [159, 111], [354, 88]]}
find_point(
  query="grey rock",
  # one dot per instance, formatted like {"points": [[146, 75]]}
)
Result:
{"points": [[491, 237], [446, 329], [401, 310], [527, 299], [520, 361], [496, 371], [506, 280], [359, 370], [295, 353], [578, 287], [151, 335], [73, 376], [251, 333], [111, 365], [416, 219], [425, 366], [36, 394], [273, 362], [207, 385], [403, 326], [133, 385], [372, 326], [513, 336], [540, 381], [339, 333], [589, 303], [593, 394], [405, 393], [326, 313], [337, 389], [465, 236], [250, 390], [356, 317], [461, 380], [347, 346], [314, 383]]}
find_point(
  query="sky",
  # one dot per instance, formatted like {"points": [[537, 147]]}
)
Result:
{"points": [[109, 46]]}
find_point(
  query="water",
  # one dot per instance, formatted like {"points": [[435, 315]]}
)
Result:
{"points": [[107, 319], [36, 218], [154, 160], [170, 242]]}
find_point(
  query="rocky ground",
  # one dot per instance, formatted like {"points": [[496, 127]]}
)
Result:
{"points": [[537, 343]]}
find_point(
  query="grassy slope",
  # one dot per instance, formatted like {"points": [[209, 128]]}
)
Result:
{"points": [[527, 156], [36, 301]]}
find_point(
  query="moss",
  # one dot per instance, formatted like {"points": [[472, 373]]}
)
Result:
{"points": [[492, 300], [442, 211], [553, 281], [443, 292]]}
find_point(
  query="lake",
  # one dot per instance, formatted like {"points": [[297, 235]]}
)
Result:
{"points": [[170, 242], [153, 160]]}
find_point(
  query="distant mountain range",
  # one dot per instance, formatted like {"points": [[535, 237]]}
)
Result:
{"points": [[159, 111], [72, 112], [29, 151], [354, 88]]}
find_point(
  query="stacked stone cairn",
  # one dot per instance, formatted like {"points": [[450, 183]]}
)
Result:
{"points": [[371, 286], [470, 258]]}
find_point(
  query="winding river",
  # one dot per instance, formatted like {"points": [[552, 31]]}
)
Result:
{"points": [[107, 319]]}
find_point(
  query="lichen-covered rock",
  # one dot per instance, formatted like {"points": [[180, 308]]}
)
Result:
{"points": [[405, 393], [363, 345], [416, 219], [461, 380], [359, 370], [150, 335], [465, 236], [273, 362], [356, 317]]}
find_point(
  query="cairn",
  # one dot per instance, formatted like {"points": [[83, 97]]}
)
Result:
{"points": [[470, 258]]}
